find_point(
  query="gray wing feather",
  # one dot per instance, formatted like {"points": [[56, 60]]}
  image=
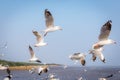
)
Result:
{"points": [[31, 51], [49, 18], [93, 57], [105, 31], [38, 36]]}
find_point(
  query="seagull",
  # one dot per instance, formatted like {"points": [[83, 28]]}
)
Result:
{"points": [[43, 69], [103, 36], [97, 52], [9, 74], [53, 76], [106, 78], [80, 78], [65, 66], [32, 70], [50, 23], [102, 79], [39, 38], [33, 57], [109, 76], [4, 46], [97, 48], [39, 70], [78, 56]]}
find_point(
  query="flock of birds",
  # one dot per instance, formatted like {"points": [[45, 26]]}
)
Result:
{"points": [[96, 50], [40, 38], [97, 47]]}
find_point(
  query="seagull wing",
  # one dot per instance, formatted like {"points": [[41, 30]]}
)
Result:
{"points": [[8, 71], [38, 36], [45, 69], [82, 60], [93, 57], [31, 52], [39, 70], [105, 30], [49, 19], [101, 56], [76, 54]]}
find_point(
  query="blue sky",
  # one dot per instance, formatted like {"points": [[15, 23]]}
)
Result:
{"points": [[81, 21]]}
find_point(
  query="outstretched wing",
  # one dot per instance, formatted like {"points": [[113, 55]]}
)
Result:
{"points": [[31, 52], [82, 60], [101, 56], [38, 36], [8, 71], [105, 30], [93, 57], [49, 19]]}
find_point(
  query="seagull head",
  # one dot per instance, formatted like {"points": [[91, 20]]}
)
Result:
{"points": [[58, 28], [110, 41]]}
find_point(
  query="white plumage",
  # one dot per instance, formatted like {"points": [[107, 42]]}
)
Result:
{"points": [[39, 38], [78, 57], [33, 57], [50, 23]]}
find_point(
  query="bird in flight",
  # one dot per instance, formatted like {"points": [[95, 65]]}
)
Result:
{"points": [[50, 23]]}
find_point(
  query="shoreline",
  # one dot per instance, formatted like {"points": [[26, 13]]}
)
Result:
{"points": [[29, 67]]}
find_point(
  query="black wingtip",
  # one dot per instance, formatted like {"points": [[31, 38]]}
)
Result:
{"points": [[110, 21], [83, 62], [40, 73], [47, 12], [109, 76], [38, 61], [30, 47], [103, 60], [46, 9]]}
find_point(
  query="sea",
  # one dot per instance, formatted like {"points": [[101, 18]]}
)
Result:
{"points": [[67, 73]]}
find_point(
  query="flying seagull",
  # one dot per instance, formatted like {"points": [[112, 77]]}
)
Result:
{"points": [[52, 76], [97, 53], [97, 48], [33, 57], [42, 70], [102, 79], [103, 36], [50, 23], [39, 70], [78, 57], [39, 38], [106, 78], [9, 75]]}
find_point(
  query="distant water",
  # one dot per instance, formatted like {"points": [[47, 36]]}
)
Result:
{"points": [[70, 73]]}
